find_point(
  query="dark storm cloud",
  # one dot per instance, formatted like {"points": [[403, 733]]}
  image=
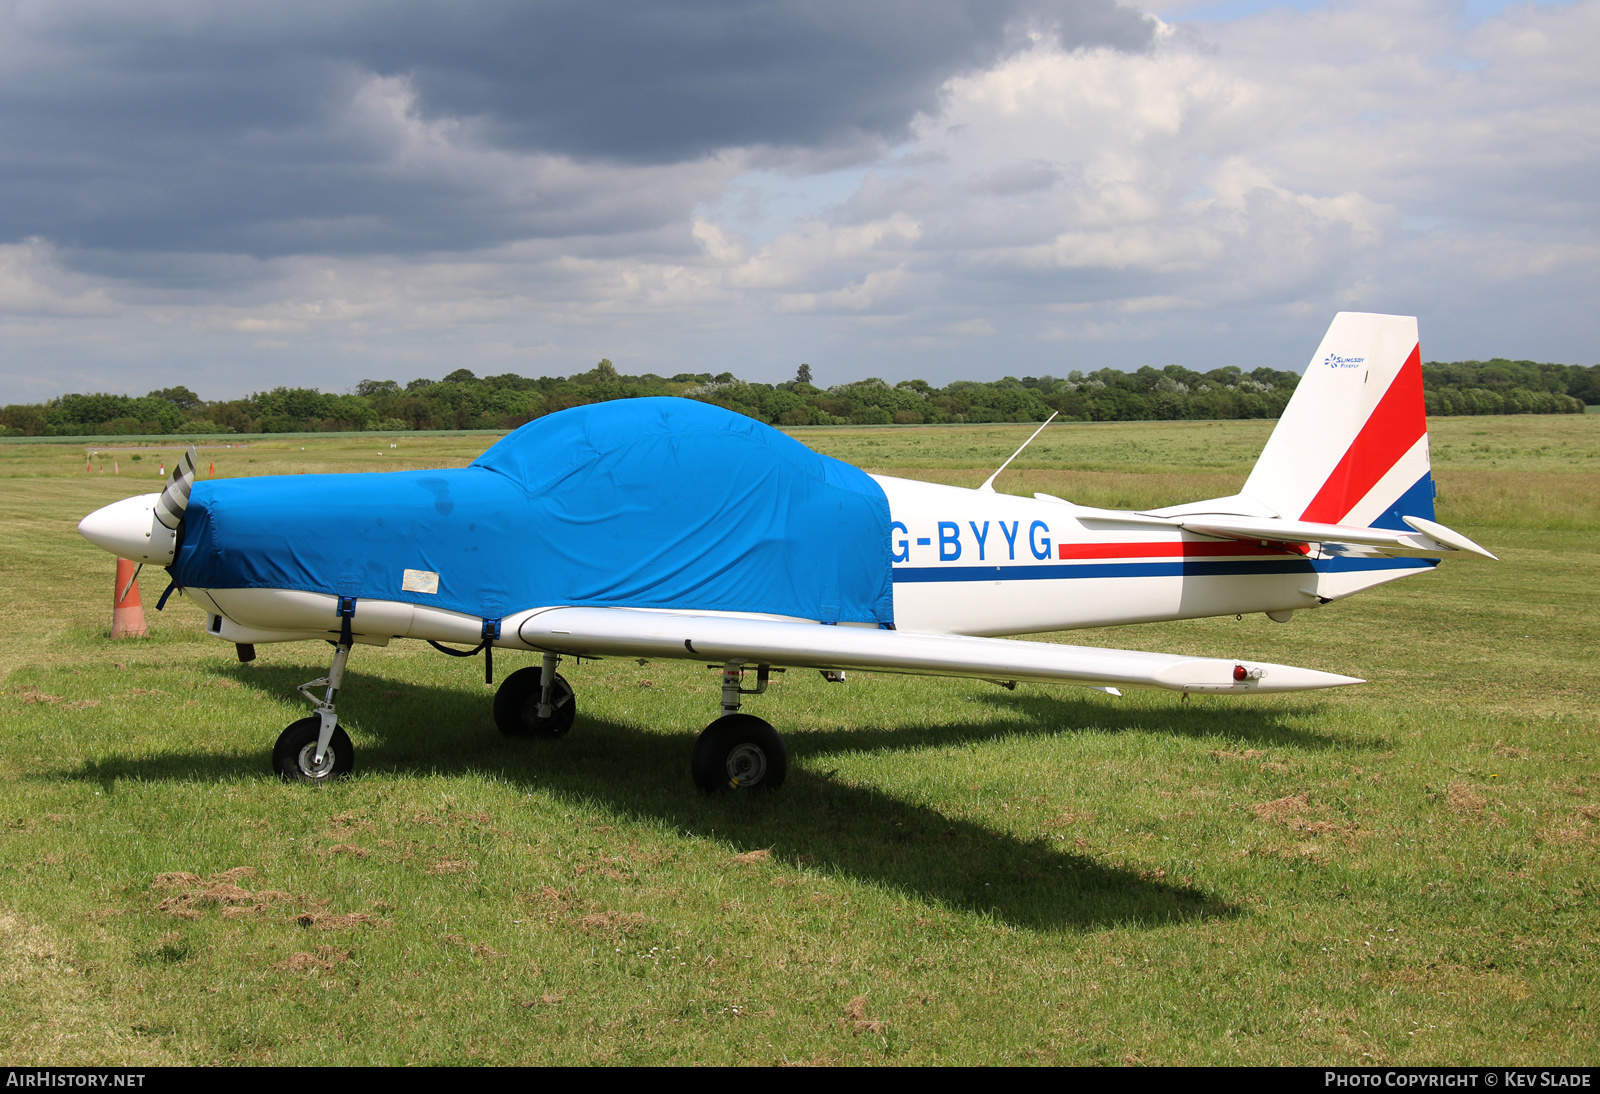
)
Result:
{"points": [[661, 80], [244, 128]]}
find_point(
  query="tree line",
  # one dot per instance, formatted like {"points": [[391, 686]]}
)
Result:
{"points": [[462, 400]]}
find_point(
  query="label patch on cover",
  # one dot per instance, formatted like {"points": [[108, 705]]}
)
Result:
{"points": [[420, 581]]}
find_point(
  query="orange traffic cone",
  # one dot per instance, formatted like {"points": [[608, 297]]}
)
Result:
{"points": [[127, 614]]}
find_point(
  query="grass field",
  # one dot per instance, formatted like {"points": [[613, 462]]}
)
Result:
{"points": [[1399, 873]]}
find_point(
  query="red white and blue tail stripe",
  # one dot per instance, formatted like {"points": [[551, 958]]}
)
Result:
{"points": [[1352, 445]]}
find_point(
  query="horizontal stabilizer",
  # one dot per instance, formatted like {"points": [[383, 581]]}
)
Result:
{"points": [[1425, 536], [1447, 536], [719, 639]]}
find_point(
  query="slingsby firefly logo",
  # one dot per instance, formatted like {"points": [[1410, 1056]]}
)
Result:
{"points": [[1333, 360]]}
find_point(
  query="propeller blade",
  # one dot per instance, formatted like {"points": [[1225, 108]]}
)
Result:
{"points": [[175, 498]]}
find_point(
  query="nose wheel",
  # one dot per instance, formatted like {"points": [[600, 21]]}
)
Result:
{"points": [[295, 758], [317, 749]]}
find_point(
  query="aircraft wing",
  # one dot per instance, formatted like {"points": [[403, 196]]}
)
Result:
{"points": [[715, 639]]}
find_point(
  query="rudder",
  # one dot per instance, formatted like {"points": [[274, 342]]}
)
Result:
{"points": [[1352, 445]]}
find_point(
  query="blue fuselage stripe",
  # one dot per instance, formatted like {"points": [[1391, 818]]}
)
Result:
{"points": [[1066, 571]]}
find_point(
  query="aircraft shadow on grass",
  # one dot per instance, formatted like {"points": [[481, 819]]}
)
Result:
{"points": [[858, 831], [1227, 717], [1041, 713]]}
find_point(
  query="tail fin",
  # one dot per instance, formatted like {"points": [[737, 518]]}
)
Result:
{"points": [[1352, 445]]}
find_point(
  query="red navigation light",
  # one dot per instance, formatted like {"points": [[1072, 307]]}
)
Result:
{"points": [[1241, 673]]}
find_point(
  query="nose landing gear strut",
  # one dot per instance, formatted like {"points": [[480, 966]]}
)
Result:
{"points": [[317, 749]]}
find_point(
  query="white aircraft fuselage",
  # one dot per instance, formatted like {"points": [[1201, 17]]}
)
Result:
{"points": [[964, 562], [982, 563]]}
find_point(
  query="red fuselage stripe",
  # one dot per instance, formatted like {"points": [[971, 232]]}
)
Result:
{"points": [[1397, 422], [1192, 549]]}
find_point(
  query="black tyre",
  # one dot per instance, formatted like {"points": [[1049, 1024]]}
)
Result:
{"points": [[293, 757], [739, 752], [516, 706]]}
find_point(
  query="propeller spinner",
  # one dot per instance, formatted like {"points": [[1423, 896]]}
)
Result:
{"points": [[144, 528]]}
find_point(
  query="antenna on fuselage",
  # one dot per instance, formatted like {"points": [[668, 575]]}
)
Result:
{"points": [[988, 484]]}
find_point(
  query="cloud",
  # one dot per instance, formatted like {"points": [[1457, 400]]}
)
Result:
{"points": [[818, 248], [33, 283], [667, 80], [1267, 171], [351, 126], [309, 194]]}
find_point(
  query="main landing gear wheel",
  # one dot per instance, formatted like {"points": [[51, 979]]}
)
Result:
{"points": [[739, 752], [294, 756], [516, 706]]}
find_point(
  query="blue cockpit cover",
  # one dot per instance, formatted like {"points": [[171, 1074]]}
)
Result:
{"points": [[644, 503]]}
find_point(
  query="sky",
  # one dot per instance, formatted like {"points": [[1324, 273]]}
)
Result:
{"points": [[235, 197]]}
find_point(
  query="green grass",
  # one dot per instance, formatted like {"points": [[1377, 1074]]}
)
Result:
{"points": [[1400, 873]]}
